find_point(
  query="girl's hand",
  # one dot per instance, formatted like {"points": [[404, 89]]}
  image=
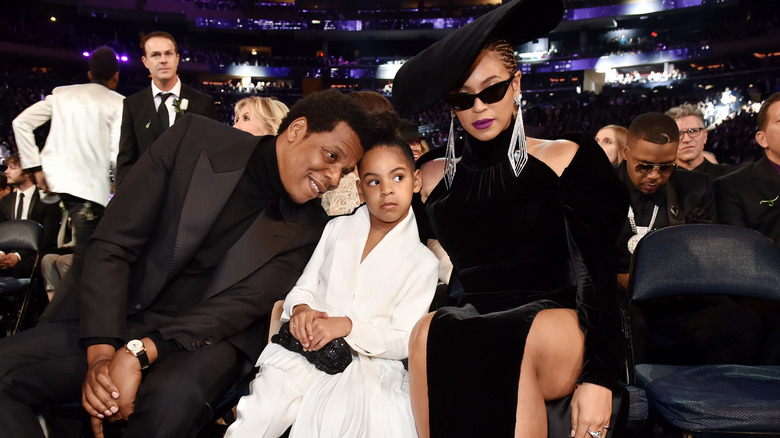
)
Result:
{"points": [[328, 329], [301, 323]]}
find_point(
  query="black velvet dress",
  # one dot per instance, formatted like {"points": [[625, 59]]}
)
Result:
{"points": [[520, 245]]}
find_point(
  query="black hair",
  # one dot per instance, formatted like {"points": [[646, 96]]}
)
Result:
{"points": [[656, 128], [323, 110], [103, 64], [394, 142]]}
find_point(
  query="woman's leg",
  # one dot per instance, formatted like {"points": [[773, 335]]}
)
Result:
{"points": [[418, 374], [552, 361]]}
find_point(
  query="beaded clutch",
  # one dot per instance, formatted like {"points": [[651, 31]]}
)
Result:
{"points": [[333, 358]]}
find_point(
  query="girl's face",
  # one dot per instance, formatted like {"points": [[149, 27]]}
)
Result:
{"points": [[246, 123], [484, 121], [387, 183]]}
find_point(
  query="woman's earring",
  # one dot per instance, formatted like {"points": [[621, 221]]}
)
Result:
{"points": [[518, 153], [449, 157]]}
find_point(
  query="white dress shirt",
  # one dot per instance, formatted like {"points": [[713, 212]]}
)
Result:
{"points": [[175, 94]]}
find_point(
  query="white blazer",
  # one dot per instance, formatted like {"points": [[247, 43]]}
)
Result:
{"points": [[384, 296], [83, 141]]}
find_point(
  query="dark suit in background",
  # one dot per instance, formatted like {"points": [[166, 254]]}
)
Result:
{"points": [[141, 125], [685, 331], [48, 215], [750, 197], [167, 262]]}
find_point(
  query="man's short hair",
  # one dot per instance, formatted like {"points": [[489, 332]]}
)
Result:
{"points": [[763, 113], [686, 110], [103, 63], [656, 128], [323, 110], [158, 34], [13, 160]]}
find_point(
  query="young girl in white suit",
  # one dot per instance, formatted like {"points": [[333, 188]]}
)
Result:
{"points": [[368, 281]]}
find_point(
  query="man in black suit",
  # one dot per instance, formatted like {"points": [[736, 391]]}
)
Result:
{"points": [[750, 197], [693, 137], [25, 203], [683, 331], [213, 226], [146, 114]]}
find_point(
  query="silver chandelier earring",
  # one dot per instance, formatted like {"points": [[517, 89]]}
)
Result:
{"points": [[518, 153], [449, 157]]}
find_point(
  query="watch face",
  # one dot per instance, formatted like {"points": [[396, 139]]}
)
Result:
{"points": [[135, 346]]}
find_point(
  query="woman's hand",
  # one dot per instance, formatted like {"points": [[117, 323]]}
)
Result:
{"points": [[301, 323], [591, 410]]}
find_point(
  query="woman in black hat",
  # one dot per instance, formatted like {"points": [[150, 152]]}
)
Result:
{"points": [[531, 227]]}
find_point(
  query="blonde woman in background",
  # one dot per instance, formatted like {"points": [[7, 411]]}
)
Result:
{"points": [[259, 115]]}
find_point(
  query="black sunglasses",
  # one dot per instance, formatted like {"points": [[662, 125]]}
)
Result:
{"points": [[491, 94], [663, 169]]}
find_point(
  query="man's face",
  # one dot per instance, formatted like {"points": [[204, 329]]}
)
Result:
{"points": [[312, 163], [769, 137], [643, 153], [690, 148], [16, 176], [161, 58]]}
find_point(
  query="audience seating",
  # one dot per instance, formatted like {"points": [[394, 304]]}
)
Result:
{"points": [[700, 260], [19, 235]]}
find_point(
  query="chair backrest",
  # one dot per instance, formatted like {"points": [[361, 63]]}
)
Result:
{"points": [[705, 259], [20, 234]]}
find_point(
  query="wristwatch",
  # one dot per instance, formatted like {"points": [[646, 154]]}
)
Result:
{"points": [[136, 348]]}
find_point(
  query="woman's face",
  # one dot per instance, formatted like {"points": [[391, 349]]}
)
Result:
{"points": [[246, 123], [416, 148], [485, 121]]}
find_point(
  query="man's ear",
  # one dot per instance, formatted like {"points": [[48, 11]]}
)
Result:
{"points": [[297, 129], [761, 139], [625, 150], [417, 181]]}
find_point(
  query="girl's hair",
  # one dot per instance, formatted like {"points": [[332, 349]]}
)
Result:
{"points": [[266, 110], [392, 142], [505, 53]]}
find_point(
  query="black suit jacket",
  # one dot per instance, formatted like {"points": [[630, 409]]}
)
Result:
{"points": [[48, 215], [141, 126], [689, 200], [156, 223], [750, 197]]}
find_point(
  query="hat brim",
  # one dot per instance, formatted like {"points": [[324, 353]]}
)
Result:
{"points": [[426, 78]]}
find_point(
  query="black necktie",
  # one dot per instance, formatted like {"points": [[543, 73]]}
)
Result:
{"points": [[162, 110], [21, 205]]}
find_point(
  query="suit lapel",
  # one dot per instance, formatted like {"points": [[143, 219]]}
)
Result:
{"points": [[263, 240], [33, 203], [673, 208], [197, 217]]}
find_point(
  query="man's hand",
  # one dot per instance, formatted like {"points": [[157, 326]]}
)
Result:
{"points": [[98, 393], [8, 261], [40, 181], [328, 329], [301, 323], [125, 371]]}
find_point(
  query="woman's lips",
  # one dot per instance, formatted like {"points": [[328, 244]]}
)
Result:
{"points": [[482, 123]]}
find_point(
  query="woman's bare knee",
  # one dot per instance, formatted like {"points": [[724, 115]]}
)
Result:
{"points": [[554, 348], [418, 338]]}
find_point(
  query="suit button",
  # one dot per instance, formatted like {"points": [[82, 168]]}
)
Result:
{"points": [[137, 307]]}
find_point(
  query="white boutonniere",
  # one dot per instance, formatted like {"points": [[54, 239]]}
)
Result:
{"points": [[180, 105]]}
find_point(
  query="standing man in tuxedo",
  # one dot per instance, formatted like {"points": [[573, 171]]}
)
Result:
{"points": [[79, 153], [212, 226], [750, 197], [152, 110], [25, 203]]}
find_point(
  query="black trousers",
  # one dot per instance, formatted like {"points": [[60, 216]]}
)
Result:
{"points": [[45, 366]]}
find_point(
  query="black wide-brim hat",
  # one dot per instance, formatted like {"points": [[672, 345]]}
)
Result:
{"points": [[426, 78]]}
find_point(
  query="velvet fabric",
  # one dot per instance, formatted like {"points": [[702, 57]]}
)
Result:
{"points": [[520, 245]]}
